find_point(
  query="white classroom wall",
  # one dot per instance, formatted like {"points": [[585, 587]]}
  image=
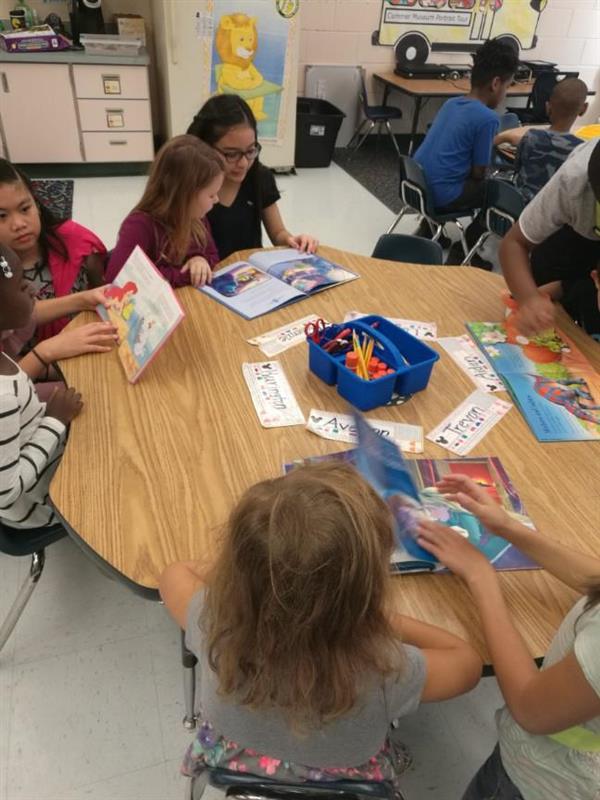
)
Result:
{"points": [[339, 32]]}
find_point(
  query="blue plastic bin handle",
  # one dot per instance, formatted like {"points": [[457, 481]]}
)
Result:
{"points": [[375, 333]]}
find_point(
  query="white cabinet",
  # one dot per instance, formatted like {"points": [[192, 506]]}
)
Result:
{"points": [[73, 112], [114, 112], [38, 113]]}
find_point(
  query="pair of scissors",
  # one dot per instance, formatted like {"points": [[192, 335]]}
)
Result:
{"points": [[314, 329]]}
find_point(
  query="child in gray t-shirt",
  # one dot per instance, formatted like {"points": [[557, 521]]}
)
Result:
{"points": [[304, 665]]}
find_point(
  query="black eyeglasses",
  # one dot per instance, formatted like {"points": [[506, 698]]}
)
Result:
{"points": [[233, 156]]}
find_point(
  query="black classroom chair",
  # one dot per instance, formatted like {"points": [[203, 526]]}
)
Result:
{"points": [[502, 207], [373, 115], [415, 195], [244, 786], [409, 249], [32, 542]]}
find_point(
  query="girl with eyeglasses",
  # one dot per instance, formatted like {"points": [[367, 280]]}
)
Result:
{"points": [[249, 193]]}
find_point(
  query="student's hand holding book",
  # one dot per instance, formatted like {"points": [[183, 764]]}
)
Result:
{"points": [[91, 298], [454, 551], [578, 570], [463, 490]]}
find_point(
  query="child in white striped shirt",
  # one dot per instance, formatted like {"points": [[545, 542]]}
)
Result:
{"points": [[32, 433]]}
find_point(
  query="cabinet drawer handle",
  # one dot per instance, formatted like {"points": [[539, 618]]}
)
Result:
{"points": [[5, 86], [117, 141]]}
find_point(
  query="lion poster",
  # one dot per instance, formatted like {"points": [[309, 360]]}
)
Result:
{"points": [[250, 57]]}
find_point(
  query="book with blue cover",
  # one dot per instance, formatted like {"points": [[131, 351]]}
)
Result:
{"points": [[552, 383], [271, 279], [408, 487]]}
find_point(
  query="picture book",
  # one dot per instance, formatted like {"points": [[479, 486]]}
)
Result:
{"points": [[552, 383], [272, 279], [145, 311], [408, 487]]}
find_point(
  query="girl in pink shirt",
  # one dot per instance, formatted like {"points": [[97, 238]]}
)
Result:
{"points": [[61, 261]]}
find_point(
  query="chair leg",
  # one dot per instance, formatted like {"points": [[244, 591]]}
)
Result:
{"points": [[438, 229], [475, 248], [393, 138], [35, 572], [397, 220], [362, 141], [189, 662], [356, 133], [463, 241]]}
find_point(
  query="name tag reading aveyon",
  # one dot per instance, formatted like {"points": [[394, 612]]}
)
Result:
{"points": [[271, 394]]}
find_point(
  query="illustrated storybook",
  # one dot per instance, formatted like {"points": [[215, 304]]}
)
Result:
{"points": [[272, 279], [408, 487], [145, 311], [555, 387]]}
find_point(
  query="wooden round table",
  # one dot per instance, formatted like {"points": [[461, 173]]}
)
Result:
{"points": [[151, 471]]}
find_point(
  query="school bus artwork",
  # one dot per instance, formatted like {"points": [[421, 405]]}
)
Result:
{"points": [[416, 27]]}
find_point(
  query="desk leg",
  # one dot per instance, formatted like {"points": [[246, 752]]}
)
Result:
{"points": [[415, 125], [386, 94]]}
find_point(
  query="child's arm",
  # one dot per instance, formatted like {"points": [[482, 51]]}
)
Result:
{"points": [[280, 236], [536, 312], [453, 666], [512, 136], [94, 266], [46, 311], [21, 468], [575, 569], [542, 702], [482, 149], [178, 584], [97, 337], [138, 229], [554, 289]]}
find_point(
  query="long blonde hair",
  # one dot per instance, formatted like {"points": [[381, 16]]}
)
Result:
{"points": [[183, 166], [295, 616]]}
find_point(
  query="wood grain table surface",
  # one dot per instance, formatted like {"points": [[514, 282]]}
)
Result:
{"points": [[151, 471]]}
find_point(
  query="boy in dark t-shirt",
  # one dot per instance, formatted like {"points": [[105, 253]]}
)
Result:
{"points": [[541, 151], [458, 147]]}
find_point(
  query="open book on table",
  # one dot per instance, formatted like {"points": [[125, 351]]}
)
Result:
{"points": [[273, 278], [553, 384], [407, 486], [145, 311]]}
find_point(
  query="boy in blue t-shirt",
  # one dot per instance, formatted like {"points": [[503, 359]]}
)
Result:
{"points": [[458, 147]]}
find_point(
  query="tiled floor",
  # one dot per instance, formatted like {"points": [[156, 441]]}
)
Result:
{"points": [[90, 683]]}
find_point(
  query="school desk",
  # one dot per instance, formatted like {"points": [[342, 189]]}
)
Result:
{"points": [[151, 471], [424, 89]]}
